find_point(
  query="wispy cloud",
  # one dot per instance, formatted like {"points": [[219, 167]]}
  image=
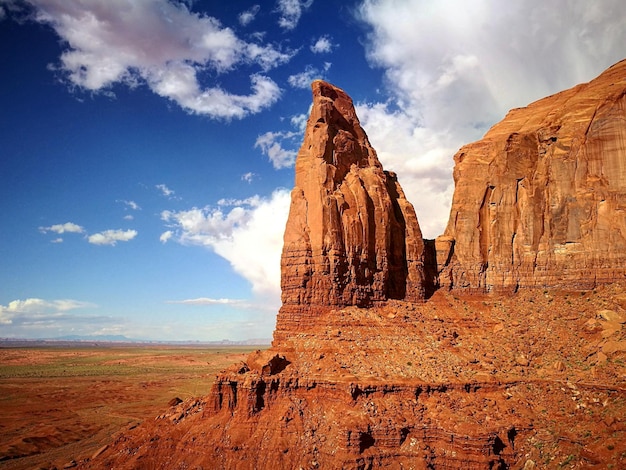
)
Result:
{"points": [[40, 318], [208, 301], [322, 45], [247, 17], [167, 192], [111, 237], [271, 144], [304, 79], [34, 310], [131, 205], [68, 227], [165, 46], [290, 12], [165, 236], [248, 177]]}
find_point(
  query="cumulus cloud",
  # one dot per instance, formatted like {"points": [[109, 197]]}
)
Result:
{"points": [[161, 44], [270, 144], [249, 236], [322, 45], [68, 227], [304, 79], [111, 237], [247, 17], [455, 68], [290, 12]]}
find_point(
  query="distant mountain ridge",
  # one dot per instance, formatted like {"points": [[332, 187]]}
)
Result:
{"points": [[121, 339]]}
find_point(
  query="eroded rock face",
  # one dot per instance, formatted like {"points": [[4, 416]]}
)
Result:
{"points": [[474, 381], [540, 201], [352, 238]]}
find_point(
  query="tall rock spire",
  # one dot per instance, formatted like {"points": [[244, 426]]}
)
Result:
{"points": [[352, 238]]}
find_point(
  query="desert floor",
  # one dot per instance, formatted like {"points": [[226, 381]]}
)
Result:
{"points": [[62, 403]]}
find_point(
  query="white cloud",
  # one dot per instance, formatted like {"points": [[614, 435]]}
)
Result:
{"points": [[248, 236], [68, 227], [165, 236], [299, 121], [164, 45], [291, 11], [131, 205], [270, 144], [304, 79], [128, 217], [207, 301], [248, 177], [111, 237], [454, 68], [322, 45], [39, 318], [246, 17], [57, 240], [34, 310], [167, 192], [252, 201]]}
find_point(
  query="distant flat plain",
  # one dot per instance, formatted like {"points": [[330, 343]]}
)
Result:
{"points": [[63, 402]]}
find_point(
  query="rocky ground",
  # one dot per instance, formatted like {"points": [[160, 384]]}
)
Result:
{"points": [[531, 380]]}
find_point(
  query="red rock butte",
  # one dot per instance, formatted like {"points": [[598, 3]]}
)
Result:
{"points": [[540, 201], [352, 238], [364, 373]]}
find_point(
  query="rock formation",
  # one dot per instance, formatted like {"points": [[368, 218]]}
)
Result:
{"points": [[352, 238], [534, 380], [540, 201]]}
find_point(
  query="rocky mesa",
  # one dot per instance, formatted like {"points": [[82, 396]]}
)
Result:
{"points": [[364, 373], [540, 201]]}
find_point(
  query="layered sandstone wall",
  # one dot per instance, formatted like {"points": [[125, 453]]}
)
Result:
{"points": [[351, 238], [540, 201]]}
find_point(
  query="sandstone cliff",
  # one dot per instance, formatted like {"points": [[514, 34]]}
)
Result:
{"points": [[351, 238], [534, 380], [540, 201]]}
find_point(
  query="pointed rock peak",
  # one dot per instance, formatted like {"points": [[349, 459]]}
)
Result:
{"points": [[325, 92], [334, 133], [352, 238]]}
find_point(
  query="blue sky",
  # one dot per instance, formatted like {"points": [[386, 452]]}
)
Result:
{"points": [[147, 147]]}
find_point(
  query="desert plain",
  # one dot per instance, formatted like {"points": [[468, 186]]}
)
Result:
{"points": [[63, 401]]}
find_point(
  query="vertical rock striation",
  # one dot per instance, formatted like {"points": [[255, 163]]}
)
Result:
{"points": [[540, 201], [352, 238]]}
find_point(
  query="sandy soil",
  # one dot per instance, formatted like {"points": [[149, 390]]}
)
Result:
{"points": [[58, 404]]}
